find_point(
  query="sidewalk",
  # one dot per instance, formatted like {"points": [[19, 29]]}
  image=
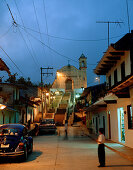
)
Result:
{"points": [[122, 150]]}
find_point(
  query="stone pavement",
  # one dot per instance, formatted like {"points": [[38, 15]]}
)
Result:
{"points": [[121, 149]]}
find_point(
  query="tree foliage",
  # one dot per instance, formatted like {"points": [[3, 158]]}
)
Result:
{"points": [[12, 79]]}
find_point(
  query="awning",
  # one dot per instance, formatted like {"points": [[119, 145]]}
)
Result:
{"points": [[110, 98], [109, 59]]}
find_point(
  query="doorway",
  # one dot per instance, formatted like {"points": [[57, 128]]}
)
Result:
{"points": [[68, 84], [121, 127], [109, 125]]}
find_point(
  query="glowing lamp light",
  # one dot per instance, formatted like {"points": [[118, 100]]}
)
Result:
{"points": [[58, 74], [97, 79], [2, 106], [47, 94], [77, 96], [57, 92]]}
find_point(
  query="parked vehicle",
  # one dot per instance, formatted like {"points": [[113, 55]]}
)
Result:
{"points": [[14, 141], [47, 125]]}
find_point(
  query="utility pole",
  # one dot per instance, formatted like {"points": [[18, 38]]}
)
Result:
{"points": [[14, 22], [42, 74], [109, 22]]}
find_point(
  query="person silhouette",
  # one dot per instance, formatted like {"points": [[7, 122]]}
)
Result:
{"points": [[101, 148], [66, 128]]}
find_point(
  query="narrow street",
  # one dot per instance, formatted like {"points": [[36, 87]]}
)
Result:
{"points": [[78, 152]]}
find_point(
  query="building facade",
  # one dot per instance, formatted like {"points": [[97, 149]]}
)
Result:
{"points": [[69, 78], [117, 65]]}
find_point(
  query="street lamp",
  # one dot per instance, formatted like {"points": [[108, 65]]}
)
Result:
{"points": [[59, 74], [98, 79], [2, 106]]}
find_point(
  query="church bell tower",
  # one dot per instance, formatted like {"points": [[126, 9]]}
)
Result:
{"points": [[83, 69]]}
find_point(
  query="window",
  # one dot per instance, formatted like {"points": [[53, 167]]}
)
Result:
{"points": [[130, 117], [123, 71], [83, 64], [115, 76]]}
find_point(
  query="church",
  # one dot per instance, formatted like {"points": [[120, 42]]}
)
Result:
{"points": [[67, 86], [69, 78]]}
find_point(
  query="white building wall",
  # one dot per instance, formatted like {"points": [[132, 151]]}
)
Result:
{"points": [[121, 102], [127, 63], [129, 132], [99, 116], [112, 108]]}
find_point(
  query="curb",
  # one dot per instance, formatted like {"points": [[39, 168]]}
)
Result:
{"points": [[114, 150], [120, 153]]}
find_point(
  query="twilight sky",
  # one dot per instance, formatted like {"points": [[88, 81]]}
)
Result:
{"points": [[51, 32]]}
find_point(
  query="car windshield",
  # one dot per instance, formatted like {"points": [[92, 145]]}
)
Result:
{"points": [[48, 121], [8, 131]]}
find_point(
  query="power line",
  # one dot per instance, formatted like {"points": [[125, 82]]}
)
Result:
{"points": [[70, 39], [6, 32], [11, 60], [38, 24], [7, 62], [36, 63], [14, 22], [51, 48], [46, 21], [54, 49], [27, 46]]}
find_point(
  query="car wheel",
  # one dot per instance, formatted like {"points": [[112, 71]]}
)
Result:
{"points": [[25, 154], [31, 148]]}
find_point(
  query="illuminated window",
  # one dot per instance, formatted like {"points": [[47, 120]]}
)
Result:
{"points": [[130, 117]]}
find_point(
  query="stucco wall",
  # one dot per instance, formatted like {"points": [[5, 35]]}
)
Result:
{"points": [[112, 108], [99, 114], [78, 77], [114, 121]]}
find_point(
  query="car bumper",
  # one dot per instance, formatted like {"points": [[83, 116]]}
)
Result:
{"points": [[11, 154]]}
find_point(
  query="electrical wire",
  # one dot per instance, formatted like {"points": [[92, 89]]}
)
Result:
{"points": [[47, 30], [27, 46], [7, 62], [11, 60], [1, 36], [46, 21], [54, 49], [34, 58], [70, 39], [38, 24], [51, 48]]}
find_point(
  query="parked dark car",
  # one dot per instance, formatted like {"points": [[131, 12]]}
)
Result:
{"points": [[47, 125], [14, 141]]}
